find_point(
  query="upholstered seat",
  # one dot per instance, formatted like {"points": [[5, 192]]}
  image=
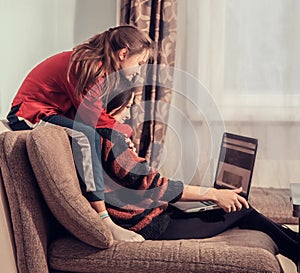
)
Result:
{"points": [[43, 245]]}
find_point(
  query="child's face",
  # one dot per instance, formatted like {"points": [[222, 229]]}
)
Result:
{"points": [[123, 114], [131, 65]]}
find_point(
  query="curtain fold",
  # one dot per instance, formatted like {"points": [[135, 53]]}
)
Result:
{"points": [[158, 18]]}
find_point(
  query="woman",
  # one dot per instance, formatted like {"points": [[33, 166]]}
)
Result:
{"points": [[67, 90], [138, 197]]}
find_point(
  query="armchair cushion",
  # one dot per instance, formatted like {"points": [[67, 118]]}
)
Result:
{"points": [[234, 251], [30, 217], [50, 156]]}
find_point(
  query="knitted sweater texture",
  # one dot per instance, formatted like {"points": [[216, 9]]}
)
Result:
{"points": [[137, 196]]}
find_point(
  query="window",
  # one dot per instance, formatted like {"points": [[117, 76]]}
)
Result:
{"points": [[246, 53]]}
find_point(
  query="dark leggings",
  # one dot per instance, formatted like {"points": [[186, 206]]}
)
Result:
{"points": [[210, 223], [93, 189]]}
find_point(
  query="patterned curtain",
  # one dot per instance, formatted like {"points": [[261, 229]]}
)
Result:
{"points": [[150, 116]]}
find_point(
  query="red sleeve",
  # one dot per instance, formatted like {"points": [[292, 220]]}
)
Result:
{"points": [[91, 111]]}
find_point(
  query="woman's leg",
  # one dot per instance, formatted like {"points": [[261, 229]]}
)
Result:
{"points": [[87, 157], [14, 122], [201, 225], [92, 190], [211, 223], [286, 239]]}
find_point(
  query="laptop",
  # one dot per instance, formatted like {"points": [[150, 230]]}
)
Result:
{"points": [[234, 170]]}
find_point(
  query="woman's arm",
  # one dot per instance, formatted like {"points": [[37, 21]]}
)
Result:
{"points": [[127, 169], [133, 173], [91, 111], [229, 200]]}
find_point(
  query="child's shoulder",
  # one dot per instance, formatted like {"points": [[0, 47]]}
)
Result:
{"points": [[111, 135]]}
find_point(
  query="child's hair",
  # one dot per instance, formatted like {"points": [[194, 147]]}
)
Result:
{"points": [[98, 56], [118, 100]]}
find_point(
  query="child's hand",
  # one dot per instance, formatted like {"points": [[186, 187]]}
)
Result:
{"points": [[130, 144], [230, 200]]}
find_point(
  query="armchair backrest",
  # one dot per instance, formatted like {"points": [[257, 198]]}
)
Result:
{"points": [[32, 222]]}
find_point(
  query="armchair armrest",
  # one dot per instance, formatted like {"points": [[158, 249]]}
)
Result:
{"points": [[295, 197], [295, 192]]}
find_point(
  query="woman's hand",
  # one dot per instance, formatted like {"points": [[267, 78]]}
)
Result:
{"points": [[228, 200]]}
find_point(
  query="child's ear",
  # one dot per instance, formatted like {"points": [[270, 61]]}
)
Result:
{"points": [[123, 53]]}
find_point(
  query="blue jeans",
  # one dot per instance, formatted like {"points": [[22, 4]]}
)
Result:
{"points": [[85, 147]]}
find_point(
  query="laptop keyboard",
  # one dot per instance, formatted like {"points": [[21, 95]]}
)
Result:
{"points": [[208, 203]]}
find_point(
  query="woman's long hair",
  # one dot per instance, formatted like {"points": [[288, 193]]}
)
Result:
{"points": [[117, 101], [98, 56]]}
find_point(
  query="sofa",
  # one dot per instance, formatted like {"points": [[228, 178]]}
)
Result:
{"points": [[50, 227]]}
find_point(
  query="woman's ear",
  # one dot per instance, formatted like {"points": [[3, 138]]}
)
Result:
{"points": [[123, 54]]}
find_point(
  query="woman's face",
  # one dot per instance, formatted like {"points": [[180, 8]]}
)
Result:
{"points": [[123, 114], [130, 65]]}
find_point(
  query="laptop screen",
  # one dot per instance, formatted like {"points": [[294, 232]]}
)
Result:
{"points": [[236, 162]]}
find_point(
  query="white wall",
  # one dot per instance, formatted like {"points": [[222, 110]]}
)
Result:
{"points": [[32, 30]]}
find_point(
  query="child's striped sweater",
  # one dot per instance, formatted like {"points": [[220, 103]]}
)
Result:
{"points": [[136, 195]]}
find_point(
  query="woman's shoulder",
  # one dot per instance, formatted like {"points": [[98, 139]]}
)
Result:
{"points": [[111, 135], [60, 58], [52, 66], [115, 142]]}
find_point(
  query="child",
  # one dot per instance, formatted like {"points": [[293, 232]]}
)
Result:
{"points": [[67, 89], [141, 200]]}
